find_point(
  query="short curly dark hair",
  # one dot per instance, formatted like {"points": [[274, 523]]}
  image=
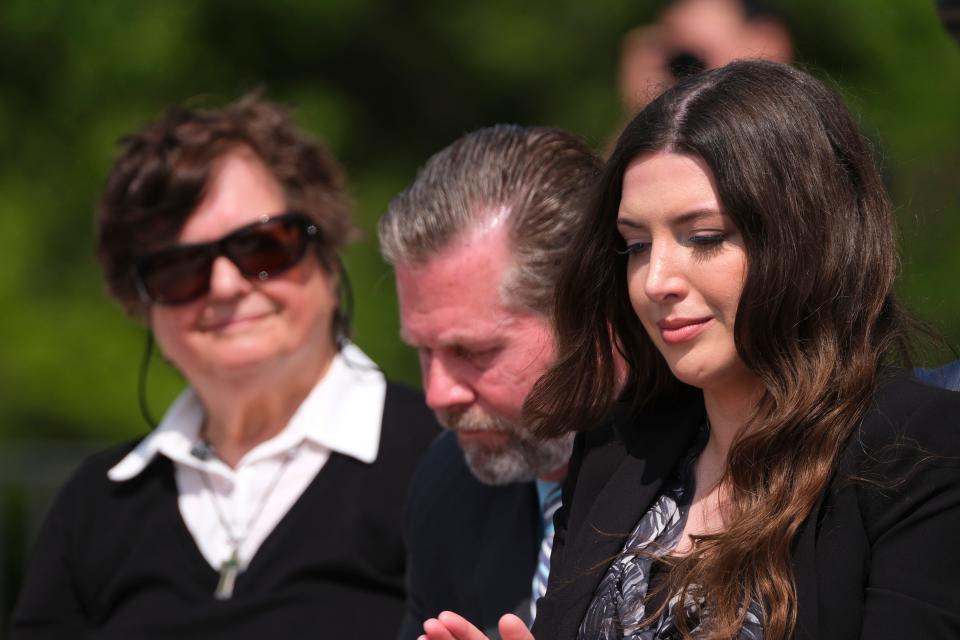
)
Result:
{"points": [[164, 171]]}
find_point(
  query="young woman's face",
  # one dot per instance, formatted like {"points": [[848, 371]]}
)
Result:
{"points": [[686, 266]]}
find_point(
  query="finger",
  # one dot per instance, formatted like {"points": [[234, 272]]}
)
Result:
{"points": [[513, 628], [460, 627], [435, 630]]}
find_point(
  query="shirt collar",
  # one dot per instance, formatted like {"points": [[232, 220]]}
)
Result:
{"points": [[343, 413], [546, 491]]}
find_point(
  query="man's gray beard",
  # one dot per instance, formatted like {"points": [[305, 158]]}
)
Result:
{"points": [[521, 459]]}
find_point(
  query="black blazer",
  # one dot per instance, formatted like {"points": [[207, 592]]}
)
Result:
{"points": [[472, 547], [878, 558], [115, 560]]}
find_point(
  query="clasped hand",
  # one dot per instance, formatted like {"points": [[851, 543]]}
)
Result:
{"points": [[450, 626]]}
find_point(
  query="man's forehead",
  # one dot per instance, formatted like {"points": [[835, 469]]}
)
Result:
{"points": [[456, 295], [461, 274], [488, 233], [438, 329]]}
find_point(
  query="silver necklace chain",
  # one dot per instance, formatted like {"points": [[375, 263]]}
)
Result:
{"points": [[230, 568]]}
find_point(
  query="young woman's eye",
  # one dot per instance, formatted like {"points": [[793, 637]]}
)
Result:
{"points": [[634, 248], [707, 239], [707, 243]]}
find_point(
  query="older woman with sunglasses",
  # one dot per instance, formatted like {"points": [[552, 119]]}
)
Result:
{"points": [[268, 498]]}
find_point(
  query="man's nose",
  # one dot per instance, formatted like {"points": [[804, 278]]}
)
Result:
{"points": [[443, 387]]}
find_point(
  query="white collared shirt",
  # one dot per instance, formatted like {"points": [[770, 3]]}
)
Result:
{"points": [[342, 413]]}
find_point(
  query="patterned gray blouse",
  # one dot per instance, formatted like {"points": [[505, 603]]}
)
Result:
{"points": [[619, 605]]}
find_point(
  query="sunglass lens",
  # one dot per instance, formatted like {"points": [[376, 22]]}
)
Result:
{"points": [[267, 249], [178, 275]]}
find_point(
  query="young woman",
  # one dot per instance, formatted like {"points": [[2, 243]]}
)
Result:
{"points": [[769, 476]]}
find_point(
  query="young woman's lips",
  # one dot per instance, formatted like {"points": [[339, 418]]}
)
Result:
{"points": [[677, 330]]}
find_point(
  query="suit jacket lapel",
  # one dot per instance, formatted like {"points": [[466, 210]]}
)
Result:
{"points": [[512, 549], [617, 483]]}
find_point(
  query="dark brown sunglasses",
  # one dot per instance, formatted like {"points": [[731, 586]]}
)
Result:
{"points": [[266, 248]]}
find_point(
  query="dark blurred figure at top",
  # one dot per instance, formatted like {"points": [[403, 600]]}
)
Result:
{"points": [[949, 11], [268, 499], [693, 35]]}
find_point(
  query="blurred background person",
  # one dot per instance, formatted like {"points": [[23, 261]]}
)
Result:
{"points": [[693, 35], [268, 498], [949, 11], [947, 376]]}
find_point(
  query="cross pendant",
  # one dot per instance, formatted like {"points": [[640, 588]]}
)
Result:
{"points": [[229, 571]]}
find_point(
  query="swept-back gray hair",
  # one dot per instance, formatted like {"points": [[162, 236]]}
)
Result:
{"points": [[536, 179]]}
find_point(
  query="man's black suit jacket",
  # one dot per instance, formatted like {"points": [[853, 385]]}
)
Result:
{"points": [[878, 558], [472, 547]]}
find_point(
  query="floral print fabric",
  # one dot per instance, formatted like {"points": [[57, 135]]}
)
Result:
{"points": [[618, 605]]}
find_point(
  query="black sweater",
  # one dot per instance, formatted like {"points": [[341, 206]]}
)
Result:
{"points": [[115, 560]]}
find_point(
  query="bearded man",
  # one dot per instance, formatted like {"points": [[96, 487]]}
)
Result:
{"points": [[476, 243]]}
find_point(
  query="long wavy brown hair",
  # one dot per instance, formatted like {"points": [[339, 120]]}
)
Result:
{"points": [[817, 316]]}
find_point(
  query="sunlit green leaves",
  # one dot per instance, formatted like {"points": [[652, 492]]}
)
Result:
{"points": [[385, 84]]}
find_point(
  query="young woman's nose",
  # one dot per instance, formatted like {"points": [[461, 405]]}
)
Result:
{"points": [[665, 276]]}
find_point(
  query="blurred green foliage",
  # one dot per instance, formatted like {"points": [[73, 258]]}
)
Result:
{"points": [[385, 84]]}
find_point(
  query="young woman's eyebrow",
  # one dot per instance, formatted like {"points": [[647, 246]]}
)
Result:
{"points": [[685, 218]]}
